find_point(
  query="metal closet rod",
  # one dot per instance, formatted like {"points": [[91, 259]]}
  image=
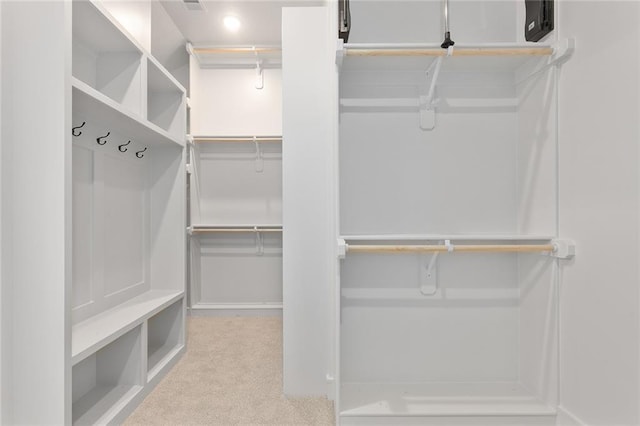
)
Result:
{"points": [[460, 248], [390, 50], [201, 139]]}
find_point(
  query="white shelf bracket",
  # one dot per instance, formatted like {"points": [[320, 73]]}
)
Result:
{"points": [[340, 53], [259, 156], [563, 249], [429, 278], [190, 230], [189, 48], [259, 84], [342, 248], [259, 241], [428, 102], [189, 168], [190, 140], [562, 52]]}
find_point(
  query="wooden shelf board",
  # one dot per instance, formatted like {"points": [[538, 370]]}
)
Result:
{"points": [[440, 399], [90, 104], [91, 335], [441, 237], [101, 403]]}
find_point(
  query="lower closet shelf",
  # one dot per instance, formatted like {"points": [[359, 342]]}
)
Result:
{"points": [[97, 406], [96, 332], [440, 399]]}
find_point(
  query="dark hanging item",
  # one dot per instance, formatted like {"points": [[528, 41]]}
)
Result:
{"points": [[74, 130], [539, 21], [344, 24], [447, 43], [102, 139], [122, 148], [140, 154]]}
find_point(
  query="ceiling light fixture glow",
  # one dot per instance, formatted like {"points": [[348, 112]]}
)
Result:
{"points": [[231, 23]]}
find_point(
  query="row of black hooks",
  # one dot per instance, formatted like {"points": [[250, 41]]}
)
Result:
{"points": [[102, 140]]}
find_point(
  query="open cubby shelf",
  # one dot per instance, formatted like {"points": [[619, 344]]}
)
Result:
{"points": [[99, 108], [107, 380], [90, 335], [165, 100], [165, 336]]}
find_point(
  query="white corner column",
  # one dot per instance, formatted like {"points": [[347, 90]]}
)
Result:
{"points": [[36, 200], [309, 79]]}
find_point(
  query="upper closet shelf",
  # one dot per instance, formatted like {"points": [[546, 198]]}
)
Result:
{"points": [[237, 57], [90, 104], [495, 57]]}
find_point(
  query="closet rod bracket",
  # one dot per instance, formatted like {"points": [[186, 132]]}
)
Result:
{"points": [[563, 249], [342, 248], [429, 278], [340, 53]]}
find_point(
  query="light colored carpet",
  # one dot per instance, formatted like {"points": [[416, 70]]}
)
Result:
{"points": [[231, 374]]}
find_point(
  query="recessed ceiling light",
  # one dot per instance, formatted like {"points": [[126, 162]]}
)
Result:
{"points": [[231, 23]]}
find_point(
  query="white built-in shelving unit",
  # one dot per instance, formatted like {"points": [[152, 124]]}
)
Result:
{"points": [[128, 173], [448, 234], [235, 180], [236, 224]]}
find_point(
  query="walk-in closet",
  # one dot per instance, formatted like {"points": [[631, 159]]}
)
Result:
{"points": [[341, 212]]}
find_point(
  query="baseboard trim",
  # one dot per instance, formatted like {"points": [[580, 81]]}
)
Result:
{"points": [[236, 310], [567, 418]]}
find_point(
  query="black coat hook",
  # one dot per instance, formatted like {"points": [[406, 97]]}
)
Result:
{"points": [[139, 153], [121, 147], [73, 130], [99, 139]]}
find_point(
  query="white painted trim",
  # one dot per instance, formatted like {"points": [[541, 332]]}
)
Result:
{"points": [[567, 418], [235, 310], [1, 251]]}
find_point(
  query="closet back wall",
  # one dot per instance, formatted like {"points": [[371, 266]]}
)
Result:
{"points": [[226, 102], [236, 184]]}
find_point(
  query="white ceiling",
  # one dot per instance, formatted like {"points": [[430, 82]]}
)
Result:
{"points": [[261, 21]]}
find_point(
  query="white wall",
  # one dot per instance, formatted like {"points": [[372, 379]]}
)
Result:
{"points": [[309, 81], [225, 102], [599, 195], [384, 21]]}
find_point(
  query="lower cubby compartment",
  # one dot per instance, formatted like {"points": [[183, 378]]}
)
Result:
{"points": [[165, 337], [106, 381]]}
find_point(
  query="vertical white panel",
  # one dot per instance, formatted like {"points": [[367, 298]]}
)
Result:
{"points": [[82, 226], [599, 195], [168, 219], [2, 281], [124, 224], [308, 74], [36, 126]]}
